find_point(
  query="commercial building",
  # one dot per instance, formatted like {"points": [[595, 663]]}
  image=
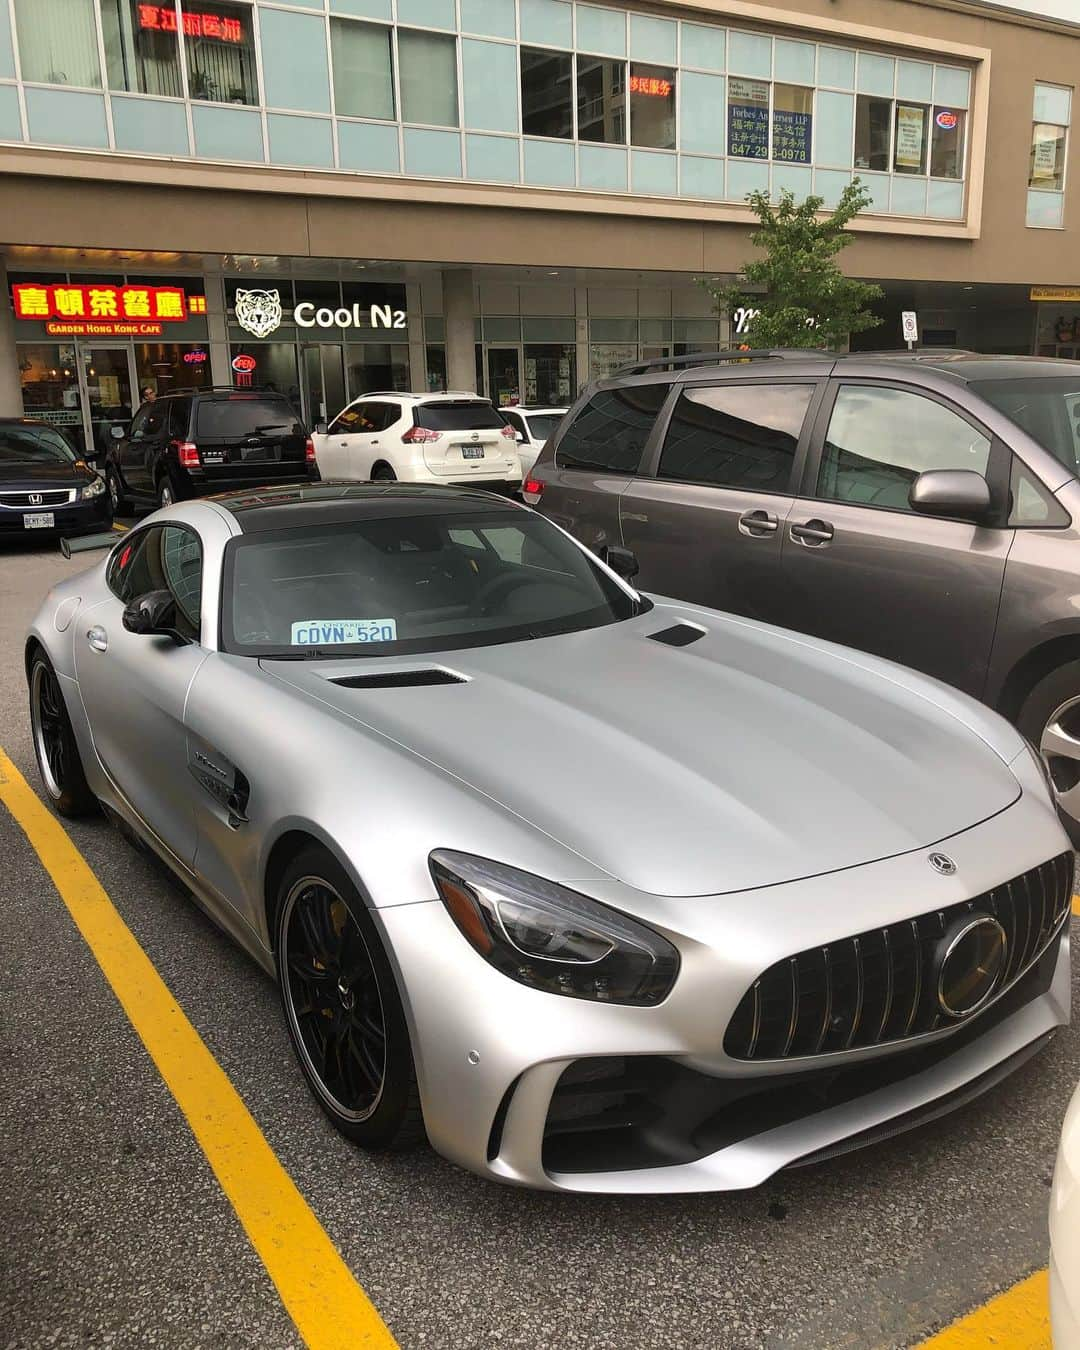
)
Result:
{"points": [[513, 195]]}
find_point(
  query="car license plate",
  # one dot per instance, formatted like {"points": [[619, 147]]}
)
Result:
{"points": [[213, 456], [38, 520], [472, 452]]}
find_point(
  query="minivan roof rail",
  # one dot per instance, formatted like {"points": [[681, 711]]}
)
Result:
{"points": [[727, 354]]}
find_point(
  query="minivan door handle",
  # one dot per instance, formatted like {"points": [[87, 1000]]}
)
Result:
{"points": [[812, 533], [755, 524]]}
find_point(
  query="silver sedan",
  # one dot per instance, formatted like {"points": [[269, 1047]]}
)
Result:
{"points": [[600, 891]]}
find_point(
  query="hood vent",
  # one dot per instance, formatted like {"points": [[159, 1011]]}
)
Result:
{"points": [[399, 679], [678, 635]]}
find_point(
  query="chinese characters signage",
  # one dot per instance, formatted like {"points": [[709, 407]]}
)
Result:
{"points": [[162, 19], [71, 310], [650, 85], [791, 132], [748, 119], [910, 133]]}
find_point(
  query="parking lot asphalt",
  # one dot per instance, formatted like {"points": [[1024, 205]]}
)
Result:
{"points": [[116, 1233]]}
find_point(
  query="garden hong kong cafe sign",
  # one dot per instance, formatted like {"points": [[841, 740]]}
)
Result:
{"points": [[71, 310]]}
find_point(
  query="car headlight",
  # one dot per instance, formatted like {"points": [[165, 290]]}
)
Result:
{"points": [[551, 938], [93, 489]]}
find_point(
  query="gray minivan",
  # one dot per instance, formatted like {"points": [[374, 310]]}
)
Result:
{"points": [[921, 506]]}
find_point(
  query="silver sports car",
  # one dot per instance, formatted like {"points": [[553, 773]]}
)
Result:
{"points": [[599, 891]]}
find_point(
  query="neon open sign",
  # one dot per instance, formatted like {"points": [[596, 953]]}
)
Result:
{"points": [[162, 19]]}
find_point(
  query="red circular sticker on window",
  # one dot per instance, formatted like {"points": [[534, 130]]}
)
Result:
{"points": [[244, 364], [946, 120]]}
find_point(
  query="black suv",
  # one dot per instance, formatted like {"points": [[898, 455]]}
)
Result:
{"points": [[924, 507], [207, 440]]}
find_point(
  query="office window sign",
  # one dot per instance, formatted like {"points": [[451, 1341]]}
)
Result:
{"points": [[1045, 153], [748, 119], [910, 134], [162, 19], [71, 310], [946, 120], [791, 139]]}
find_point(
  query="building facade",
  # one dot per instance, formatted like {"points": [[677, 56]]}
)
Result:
{"points": [[334, 196]]}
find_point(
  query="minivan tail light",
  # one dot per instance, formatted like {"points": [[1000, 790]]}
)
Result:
{"points": [[420, 435], [309, 451], [531, 490], [508, 431], [188, 454]]}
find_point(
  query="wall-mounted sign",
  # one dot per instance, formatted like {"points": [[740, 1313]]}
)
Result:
{"points": [[1069, 293], [72, 310], [650, 85], [260, 313], [748, 118], [162, 19], [946, 120], [910, 131]]}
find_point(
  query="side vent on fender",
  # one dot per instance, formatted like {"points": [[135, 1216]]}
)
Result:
{"points": [[678, 635], [399, 679]]}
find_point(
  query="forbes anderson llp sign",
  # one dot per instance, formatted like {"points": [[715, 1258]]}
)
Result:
{"points": [[260, 313]]}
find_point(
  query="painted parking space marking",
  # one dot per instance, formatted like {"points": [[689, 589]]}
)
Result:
{"points": [[320, 1293], [1076, 904], [1018, 1319]]}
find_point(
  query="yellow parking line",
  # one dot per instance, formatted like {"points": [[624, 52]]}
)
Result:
{"points": [[1076, 904], [329, 1308], [120, 529], [1018, 1319]]}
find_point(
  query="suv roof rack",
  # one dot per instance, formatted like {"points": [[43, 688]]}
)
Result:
{"points": [[726, 354], [225, 389]]}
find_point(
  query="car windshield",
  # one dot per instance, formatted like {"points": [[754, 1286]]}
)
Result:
{"points": [[395, 584], [541, 425], [244, 415], [34, 445], [1047, 408], [476, 416]]}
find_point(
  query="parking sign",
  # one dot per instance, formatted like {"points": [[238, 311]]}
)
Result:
{"points": [[910, 324]]}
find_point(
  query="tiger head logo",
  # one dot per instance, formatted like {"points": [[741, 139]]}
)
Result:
{"points": [[259, 312]]}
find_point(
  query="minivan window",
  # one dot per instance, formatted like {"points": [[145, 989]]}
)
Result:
{"points": [[880, 440], [610, 431], [245, 415], [478, 416], [736, 435], [1047, 409]]}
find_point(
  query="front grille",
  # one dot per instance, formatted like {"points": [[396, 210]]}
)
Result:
{"points": [[878, 986], [21, 500]]}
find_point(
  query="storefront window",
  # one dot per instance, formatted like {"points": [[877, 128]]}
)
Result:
{"points": [[792, 123], [220, 49], [547, 103], [167, 366], [748, 118], [363, 69], [947, 143], [141, 55], [609, 356], [652, 106], [377, 365], [550, 373], [428, 78], [909, 146], [601, 100], [436, 368], [50, 387], [58, 42], [275, 368], [873, 130]]}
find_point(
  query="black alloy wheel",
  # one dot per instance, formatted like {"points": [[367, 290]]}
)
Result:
{"points": [[117, 499], [54, 743], [166, 492], [342, 1008]]}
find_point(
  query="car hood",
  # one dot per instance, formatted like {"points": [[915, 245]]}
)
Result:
{"points": [[45, 474], [748, 758]]}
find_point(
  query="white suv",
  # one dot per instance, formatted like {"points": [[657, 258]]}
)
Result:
{"points": [[452, 438]]}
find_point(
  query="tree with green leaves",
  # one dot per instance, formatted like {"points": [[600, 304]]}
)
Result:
{"points": [[807, 301]]}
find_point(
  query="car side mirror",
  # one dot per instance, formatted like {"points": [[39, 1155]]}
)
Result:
{"points": [[519, 436], [153, 615], [960, 493], [320, 428], [622, 561], [118, 432]]}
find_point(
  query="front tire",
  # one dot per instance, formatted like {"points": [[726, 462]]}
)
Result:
{"points": [[118, 500], [342, 1007], [167, 493], [1050, 719], [55, 748]]}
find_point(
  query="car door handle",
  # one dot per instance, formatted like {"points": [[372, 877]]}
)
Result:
{"points": [[97, 638], [374, 442], [812, 533], [758, 523]]}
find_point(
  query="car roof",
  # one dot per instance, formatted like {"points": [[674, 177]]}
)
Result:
{"points": [[295, 506], [529, 408]]}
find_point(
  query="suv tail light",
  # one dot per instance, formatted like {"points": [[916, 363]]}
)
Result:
{"points": [[509, 432], [309, 451], [188, 454], [420, 435], [532, 489]]}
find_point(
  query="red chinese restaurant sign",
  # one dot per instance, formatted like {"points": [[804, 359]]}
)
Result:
{"points": [[69, 310], [162, 19]]}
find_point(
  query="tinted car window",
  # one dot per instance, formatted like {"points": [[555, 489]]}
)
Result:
{"points": [[179, 417], [353, 420], [149, 421], [245, 415], [478, 416], [161, 558], [880, 440], [542, 425], [737, 435], [610, 432], [33, 445], [1047, 409], [382, 415]]}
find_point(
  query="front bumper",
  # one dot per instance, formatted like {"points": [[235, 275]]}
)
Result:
{"points": [[81, 517], [511, 1078]]}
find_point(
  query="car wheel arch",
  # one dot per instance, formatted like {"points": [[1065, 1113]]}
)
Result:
{"points": [[284, 848], [1034, 666]]}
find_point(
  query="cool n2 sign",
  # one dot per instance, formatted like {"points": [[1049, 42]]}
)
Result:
{"points": [[305, 315]]}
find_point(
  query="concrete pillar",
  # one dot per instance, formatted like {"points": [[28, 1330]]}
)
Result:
{"points": [[11, 404], [457, 284], [417, 345], [217, 331]]}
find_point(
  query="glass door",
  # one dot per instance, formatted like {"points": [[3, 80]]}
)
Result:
{"points": [[108, 379], [324, 383], [504, 375]]}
